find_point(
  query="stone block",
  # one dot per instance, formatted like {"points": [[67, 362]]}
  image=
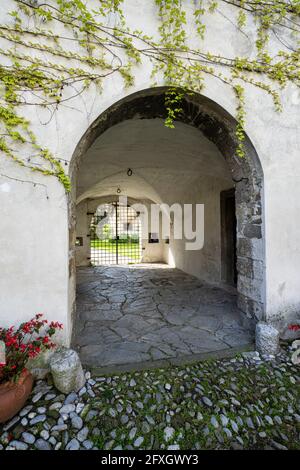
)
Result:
{"points": [[296, 354], [266, 338], [249, 307], [250, 268], [252, 288], [250, 248], [252, 230], [67, 371]]}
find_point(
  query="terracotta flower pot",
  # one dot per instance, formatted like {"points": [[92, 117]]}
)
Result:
{"points": [[14, 395]]}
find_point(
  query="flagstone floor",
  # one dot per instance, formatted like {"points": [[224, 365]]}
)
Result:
{"points": [[150, 314]]}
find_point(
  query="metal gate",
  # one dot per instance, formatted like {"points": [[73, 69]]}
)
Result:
{"points": [[115, 235]]}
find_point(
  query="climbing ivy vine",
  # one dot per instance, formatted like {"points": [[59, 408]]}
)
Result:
{"points": [[53, 50]]}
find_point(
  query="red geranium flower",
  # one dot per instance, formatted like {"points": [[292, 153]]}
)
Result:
{"points": [[294, 327], [23, 343]]}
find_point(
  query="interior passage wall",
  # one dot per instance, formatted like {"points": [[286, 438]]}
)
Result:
{"points": [[206, 262]]}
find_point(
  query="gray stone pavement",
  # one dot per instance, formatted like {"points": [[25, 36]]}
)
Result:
{"points": [[150, 313]]}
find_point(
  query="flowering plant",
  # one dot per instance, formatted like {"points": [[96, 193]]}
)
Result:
{"points": [[294, 327], [23, 343]]}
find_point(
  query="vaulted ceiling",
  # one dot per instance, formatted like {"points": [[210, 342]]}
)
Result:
{"points": [[165, 162]]}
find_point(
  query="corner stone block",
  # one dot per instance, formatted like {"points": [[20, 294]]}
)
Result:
{"points": [[266, 338], [67, 372]]}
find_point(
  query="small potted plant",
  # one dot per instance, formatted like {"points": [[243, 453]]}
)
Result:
{"points": [[21, 344]]}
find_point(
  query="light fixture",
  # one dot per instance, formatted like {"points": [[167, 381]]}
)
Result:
{"points": [[129, 172]]}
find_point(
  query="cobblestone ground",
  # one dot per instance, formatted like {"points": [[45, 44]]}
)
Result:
{"points": [[146, 313], [247, 402]]}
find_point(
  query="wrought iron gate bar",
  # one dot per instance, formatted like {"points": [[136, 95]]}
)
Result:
{"points": [[115, 235]]}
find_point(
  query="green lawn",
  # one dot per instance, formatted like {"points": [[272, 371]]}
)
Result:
{"points": [[130, 249]]}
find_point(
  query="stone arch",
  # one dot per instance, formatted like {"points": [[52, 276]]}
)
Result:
{"points": [[218, 126]]}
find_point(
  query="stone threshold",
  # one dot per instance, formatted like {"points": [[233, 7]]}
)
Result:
{"points": [[172, 361]]}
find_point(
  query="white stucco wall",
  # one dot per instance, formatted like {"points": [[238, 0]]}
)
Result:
{"points": [[205, 263], [34, 253], [34, 247]]}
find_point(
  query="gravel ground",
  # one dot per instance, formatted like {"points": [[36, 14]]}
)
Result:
{"points": [[247, 402]]}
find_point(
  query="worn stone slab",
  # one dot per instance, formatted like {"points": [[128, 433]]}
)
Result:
{"points": [[131, 315]]}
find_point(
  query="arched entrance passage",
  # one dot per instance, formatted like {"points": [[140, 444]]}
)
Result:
{"points": [[144, 112]]}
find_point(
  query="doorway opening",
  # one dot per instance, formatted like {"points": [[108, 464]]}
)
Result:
{"points": [[115, 235], [229, 272]]}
